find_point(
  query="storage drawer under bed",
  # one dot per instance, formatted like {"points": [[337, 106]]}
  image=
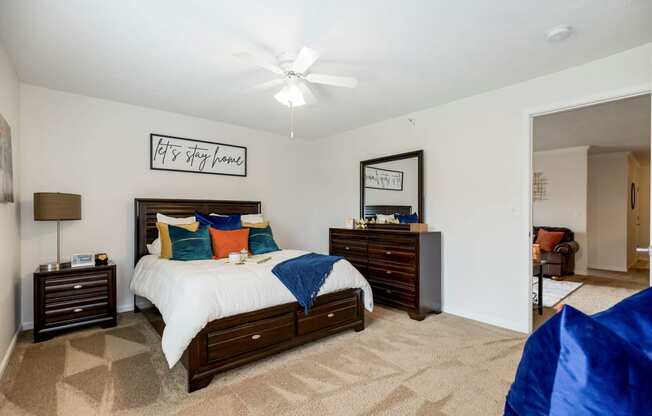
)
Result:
{"points": [[249, 337]]}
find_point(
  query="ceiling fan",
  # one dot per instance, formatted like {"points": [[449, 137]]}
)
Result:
{"points": [[294, 78]]}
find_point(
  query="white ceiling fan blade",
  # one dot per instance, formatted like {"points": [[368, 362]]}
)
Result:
{"points": [[247, 57], [308, 96], [347, 82], [265, 85], [304, 60]]}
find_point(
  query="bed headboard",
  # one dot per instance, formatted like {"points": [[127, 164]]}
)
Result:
{"points": [[146, 209], [372, 210]]}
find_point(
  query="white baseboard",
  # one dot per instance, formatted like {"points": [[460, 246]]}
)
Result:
{"points": [[121, 308], [607, 267], [7, 356]]}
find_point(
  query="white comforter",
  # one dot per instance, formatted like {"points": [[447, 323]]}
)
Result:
{"points": [[191, 294]]}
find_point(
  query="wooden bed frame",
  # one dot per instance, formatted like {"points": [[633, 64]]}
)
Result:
{"points": [[236, 340]]}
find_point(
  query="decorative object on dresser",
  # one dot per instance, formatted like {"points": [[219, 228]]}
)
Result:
{"points": [[196, 156], [70, 298], [55, 206], [82, 260], [101, 259], [237, 340], [402, 267]]}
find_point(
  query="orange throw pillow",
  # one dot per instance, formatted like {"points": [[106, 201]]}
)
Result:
{"points": [[547, 240], [228, 241]]}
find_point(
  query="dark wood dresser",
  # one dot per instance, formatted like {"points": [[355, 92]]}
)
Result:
{"points": [[70, 298], [402, 267]]}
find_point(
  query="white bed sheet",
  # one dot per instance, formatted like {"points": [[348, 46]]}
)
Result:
{"points": [[191, 294]]}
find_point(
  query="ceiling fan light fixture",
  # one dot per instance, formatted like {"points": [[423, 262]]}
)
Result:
{"points": [[290, 94]]}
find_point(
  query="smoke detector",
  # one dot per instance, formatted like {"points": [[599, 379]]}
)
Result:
{"points": [[559, 33]]}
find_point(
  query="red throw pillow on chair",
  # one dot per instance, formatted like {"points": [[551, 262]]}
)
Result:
{"points": [[547, 240]]}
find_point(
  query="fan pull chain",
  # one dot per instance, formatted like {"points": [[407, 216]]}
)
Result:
{"points": [[291, 120]]}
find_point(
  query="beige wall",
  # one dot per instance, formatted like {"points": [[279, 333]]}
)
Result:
{"points": [[644, 208], [566, 173], [483, 211], [608, 207], [9, 217], [100, 149]]}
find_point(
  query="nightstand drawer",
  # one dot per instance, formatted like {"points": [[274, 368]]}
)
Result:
{"points": [[75, 282], [72, 311]]}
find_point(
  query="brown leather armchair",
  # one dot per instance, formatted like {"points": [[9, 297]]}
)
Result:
{"points": [[561, 260]]}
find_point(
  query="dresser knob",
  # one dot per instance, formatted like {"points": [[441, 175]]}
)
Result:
{"points": [[388, 272], [77, 286], [77, 310], [388, 252], [256, 336], [347, 248], [330, 315], [388, 291]]}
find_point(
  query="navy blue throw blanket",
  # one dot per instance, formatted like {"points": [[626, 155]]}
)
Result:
{"points": [[305, 275]]}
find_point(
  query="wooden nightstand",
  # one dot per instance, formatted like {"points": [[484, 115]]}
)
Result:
{"points": [[71, 298]]}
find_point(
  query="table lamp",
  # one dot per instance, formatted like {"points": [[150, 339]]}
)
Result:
{"points": [[55, 206]]}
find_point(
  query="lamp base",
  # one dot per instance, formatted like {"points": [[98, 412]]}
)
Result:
{"points": [[50, 266]]}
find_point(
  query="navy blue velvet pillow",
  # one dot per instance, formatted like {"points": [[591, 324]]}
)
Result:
{"points": [[220, 222], [573, 365], [261, 240], [408, 218], [189, 245], [631, 318]]}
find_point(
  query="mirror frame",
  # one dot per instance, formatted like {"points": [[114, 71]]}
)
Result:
{"points": [[408, 155]]}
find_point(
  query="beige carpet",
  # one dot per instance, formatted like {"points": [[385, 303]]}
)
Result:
{"points": [[444, 365]]}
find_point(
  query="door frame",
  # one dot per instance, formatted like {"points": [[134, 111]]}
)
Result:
{"points": [[528, 119]]}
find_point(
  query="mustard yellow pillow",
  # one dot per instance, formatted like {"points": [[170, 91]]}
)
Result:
{"points": [[263, 224], [164, 235]]}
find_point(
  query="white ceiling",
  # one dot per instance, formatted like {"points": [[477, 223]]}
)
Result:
{"points": [[615, 126], [408, 55]]}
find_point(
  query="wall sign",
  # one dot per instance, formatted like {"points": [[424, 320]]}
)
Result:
{"points": [[196, 156], [385, 179]]}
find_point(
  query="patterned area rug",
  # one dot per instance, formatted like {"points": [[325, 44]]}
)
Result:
{"points": [[554, 291], [445, 365]]}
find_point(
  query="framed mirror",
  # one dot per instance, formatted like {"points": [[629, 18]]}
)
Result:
{"points": [[392, 185]]}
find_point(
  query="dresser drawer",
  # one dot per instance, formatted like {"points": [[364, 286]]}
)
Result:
{"points": [[393, 293], [389, 271], [389, 239], [392, 254], [348, 248], [322, 317], [53, 285], [250, 337]]}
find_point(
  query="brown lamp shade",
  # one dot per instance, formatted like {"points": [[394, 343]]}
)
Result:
{"points": [[54, 206]]}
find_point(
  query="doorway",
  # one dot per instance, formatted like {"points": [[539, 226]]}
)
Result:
{"points": [[590, 204]]}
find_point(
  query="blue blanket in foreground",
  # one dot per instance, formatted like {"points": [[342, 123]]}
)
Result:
{"points": [[305, 275], [579, 365]]}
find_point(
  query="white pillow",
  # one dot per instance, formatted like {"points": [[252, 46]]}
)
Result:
{"points": [[252, 218], [384, 219], [155, 247], [174, 221]]}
